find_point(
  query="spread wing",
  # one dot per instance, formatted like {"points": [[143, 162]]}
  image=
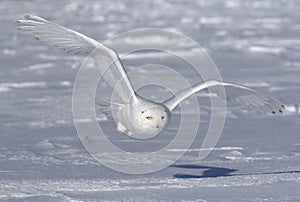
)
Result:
{"points": [[75, 43], [233, 92]]}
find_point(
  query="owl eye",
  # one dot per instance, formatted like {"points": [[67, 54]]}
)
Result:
{"points": [[149, 117], [162, 117]]}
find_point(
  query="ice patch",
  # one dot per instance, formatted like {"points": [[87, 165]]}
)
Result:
{"points": [[44, 145], [233, 155], [257, 156], [9, 52], [186, 20], [232, 4], [83, 120], [48, 144], [215, 20], [153, 39], [205, 149], [38, 67], [259, 84], [61, 122], [6, 87], [145, 55], [23, 85], [40, 124], [7, 171], [265, 49], [65, 83], [102, 117]]}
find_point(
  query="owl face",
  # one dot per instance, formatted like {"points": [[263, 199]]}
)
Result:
{"points": [[149, 119], [154, 118]]}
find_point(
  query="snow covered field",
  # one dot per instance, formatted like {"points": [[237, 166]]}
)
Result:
{"points": [[254, 43]]}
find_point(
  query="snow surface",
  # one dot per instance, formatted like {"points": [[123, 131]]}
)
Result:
{"points": [[255, 43]]}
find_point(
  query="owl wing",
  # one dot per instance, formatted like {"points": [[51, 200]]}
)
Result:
{"points": [[73, 42], [230, 92]]}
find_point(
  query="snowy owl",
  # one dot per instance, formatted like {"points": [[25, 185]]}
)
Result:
{"points": [[136, 116]]}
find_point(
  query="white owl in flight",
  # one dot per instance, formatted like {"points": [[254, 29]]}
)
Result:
{"points": [[136, 116]]}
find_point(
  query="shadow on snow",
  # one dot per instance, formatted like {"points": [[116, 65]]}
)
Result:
{"points": [[209, 172]]}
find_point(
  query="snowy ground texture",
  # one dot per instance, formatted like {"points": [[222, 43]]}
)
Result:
{"points": [[255, 43]]}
